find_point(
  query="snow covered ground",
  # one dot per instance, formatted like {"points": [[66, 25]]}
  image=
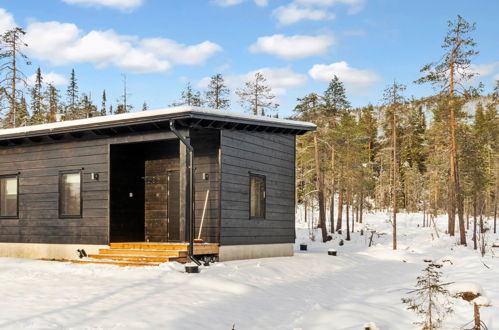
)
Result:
{"points": [[308, 291]]}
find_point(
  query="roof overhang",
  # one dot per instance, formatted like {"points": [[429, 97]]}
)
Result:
{"points": [[184, 117]]}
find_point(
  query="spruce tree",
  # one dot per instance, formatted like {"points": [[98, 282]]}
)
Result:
{"points": [[38, 115], [72, 99], [189, 97], [86, 108], [217, 94], [53, 101], [22, 113], [103, 103], [335, 98]]}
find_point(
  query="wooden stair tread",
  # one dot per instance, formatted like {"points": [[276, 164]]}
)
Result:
{"points": [[136, 258], [138, 252], [116, 263]]}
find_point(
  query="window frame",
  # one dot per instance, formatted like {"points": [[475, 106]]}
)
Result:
{"points": [[61, 183], [264, 205], [9, 176]]}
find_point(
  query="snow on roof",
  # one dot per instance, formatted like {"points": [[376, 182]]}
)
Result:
{"points": [[152, 115]]}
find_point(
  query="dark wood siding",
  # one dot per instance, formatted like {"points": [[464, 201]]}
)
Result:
{"points": [[271, 155], [206, 145], [161, 158], [39, 165]]}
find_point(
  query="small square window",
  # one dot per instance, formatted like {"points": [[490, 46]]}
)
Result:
{"points": [[70, 205], [257, 196], [9, 196]]}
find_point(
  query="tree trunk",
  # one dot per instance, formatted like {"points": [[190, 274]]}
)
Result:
{"points": [[474, 223], [348, 213], [354, 212], [320, 190], [305, 206], [476, 316], [394, 183], [331, 211], [361, 206], [333, 189], [339, 221]]}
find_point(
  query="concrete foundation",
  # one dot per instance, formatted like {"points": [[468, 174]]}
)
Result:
{"points": [[46, 251], [254, 251]]}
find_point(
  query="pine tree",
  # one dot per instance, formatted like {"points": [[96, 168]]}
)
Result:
{"points": [[72, 99], [336, 103], [12, 44], [449, 75], [394, 100], [145, 107], [103, 103], [257, 97], [217, 93], [309, 108], [53, 101], [38, 115]]}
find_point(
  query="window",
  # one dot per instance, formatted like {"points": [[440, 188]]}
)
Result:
{"points": [[70, 194], [9, 196], [257, 196]]}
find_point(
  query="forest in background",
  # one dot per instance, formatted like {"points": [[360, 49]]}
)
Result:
{"points": [[437, 154]]}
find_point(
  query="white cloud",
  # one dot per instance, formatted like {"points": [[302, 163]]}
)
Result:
{"points": [[180, 53], [292, 47], [64, 43], [354, 5], [125, 5], [356, 81], [228, 3], [7, 21], [279, 79], [496, 77], [53, 78], [292, 14], [485, 69]]}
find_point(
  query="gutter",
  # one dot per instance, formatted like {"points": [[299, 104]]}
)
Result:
{"points": [[190, 213]]}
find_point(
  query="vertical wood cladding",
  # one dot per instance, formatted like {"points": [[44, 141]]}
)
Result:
{"points": [[161, 161], [39, 165], [271, 155], [223, 160], [206, 145]]}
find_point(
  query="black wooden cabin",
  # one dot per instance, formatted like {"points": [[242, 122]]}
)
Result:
{"points": [[126, 178]]}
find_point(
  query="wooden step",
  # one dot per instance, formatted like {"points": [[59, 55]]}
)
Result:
{"points": [[119, 257], [150, 246], [136, 252], [116, 263]]}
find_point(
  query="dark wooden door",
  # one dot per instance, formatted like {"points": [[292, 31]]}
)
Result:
{"points": [[173, 206]]}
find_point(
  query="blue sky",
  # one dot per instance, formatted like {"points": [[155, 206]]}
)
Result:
{"points": [[297, 44]]}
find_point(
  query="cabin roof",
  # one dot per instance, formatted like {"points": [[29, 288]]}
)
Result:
{"points": [[186, 116]]}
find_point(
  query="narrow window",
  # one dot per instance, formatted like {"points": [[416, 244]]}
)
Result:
{"points": [[9, 196], [70, 194], [257, 196]]}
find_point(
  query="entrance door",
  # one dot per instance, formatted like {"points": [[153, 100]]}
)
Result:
{"points": [[173, 208]]}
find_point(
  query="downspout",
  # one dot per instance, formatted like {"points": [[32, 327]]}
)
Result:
{"points": [[190, 213]]}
